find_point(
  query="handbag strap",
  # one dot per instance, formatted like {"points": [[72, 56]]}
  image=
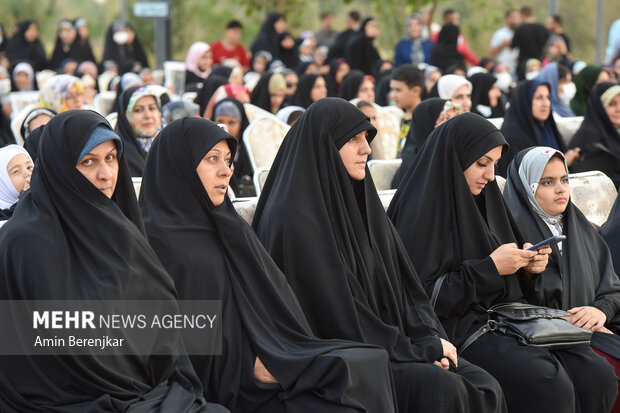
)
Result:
{"points": [[490, 325], [436, 289]]}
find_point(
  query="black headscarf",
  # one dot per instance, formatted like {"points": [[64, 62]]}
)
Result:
{"points": [[134, 154], [32, 143], [351, 84], [360, 52], [267, 37], [260, 94], [209, 86], [445, 53], [6, 133], [304, 88], [79, 50], [263, 316], [583, 274], [522, 130], [482, 84], [423, 123], [124, 55], [68, 241], [332, 86], [241, 182], [597, 137], [333, 240], [290, 57], [19, 49], [611, 232], [447, 230]]}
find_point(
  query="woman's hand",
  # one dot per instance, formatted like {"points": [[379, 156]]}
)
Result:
{"points": [[261, 373], [449, 354], [572, 155], [539, 262], [508, 259], [590, 318]]}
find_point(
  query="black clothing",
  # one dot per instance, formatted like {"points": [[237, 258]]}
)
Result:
{"points": [[242, 181], [423, 123], [598, 139], [267, 37], [79, 50], [212, 253], [482, 84], [290, 57], [20, 50], [445, 54], [331, 237], [6, 133], [260, 94], [134, 154], [124, 55], [360, 52], [48, 253], [530, 38], [337, 50], [351, 84], [447, 230], [209, 86], [304, 89], [522, 130]]}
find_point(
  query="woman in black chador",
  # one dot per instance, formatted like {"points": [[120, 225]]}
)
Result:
{"points": [[321, 219], [580, 276], [465, 245], [78, 235], [270, 361]]}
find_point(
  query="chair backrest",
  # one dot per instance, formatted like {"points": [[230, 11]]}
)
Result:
{"points": [[112, 119], [594, 193], [104, 102], [19, 100], [246, 208], [262, 139], [382, 172], [18, 120], [2, 223], [253, 112], [388, 118], [498, 122], [137, 183], [568, 127], [260, 176]]}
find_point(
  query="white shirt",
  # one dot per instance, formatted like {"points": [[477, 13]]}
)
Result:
{"points": [[506, 56]]}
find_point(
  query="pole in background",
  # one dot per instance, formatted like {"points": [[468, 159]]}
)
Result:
{"points": [[160, 12], [553, 7], [599, 32], [123, 10]]}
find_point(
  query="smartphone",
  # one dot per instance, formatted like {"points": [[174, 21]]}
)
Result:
{"points": [[547, 242]]}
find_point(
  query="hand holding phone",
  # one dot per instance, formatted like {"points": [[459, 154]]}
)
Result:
{"points": [[547, 242]]}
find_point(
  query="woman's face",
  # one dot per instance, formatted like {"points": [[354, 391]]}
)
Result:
{"points": [[494, 95], [603, 77], [67, 36], [276, 98], [367, 91], [100, 167], [280, 25], [206, 61], [342, 71], [415, 29], [236, 77], [319, 90], [541, 104], [145, 116], [22, 80], [291, 83], [354, 155], [260, 64], [613, 111], [214, 172], [40, 120], [288, 42], [371, 113], [74, 98], [553, 192], [462, 96], [371, 30], [32, 33], [432, 79], [482, 171], [20, 169], [233, 126]]}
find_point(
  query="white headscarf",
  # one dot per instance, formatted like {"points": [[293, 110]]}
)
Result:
{"points": [[447, 85], [8, 193]]}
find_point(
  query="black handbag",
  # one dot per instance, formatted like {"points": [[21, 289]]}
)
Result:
{"points": [[531, 325]]}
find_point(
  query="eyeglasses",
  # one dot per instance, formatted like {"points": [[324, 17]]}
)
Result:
{"points": [[74, 96], [291, 84]]}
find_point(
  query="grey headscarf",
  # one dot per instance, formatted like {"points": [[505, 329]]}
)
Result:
{"points": [[417, 54], [532, 167]]}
